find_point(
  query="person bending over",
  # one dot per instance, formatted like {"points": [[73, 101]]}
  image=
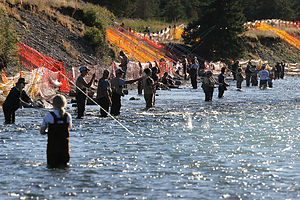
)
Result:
{"points": [[16, 98]]}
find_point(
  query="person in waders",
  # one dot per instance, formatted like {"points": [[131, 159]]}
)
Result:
{"points": [[271, 77], [248, 74], [117, 85], [124, 62], [58, 122], [263, 77], [208, 85], [193, 73], [140, 82], [254, 81], [104, 94], [16, 98], [184, 62], [239, 79], [149, 91], [81, 87], [223, 85]]}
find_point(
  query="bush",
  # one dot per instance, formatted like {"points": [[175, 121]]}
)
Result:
{"points": [[96, 39], [8, 41], [95, 35]]}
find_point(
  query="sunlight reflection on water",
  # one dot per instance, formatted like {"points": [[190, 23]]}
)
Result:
{"points": [[245, 146]]}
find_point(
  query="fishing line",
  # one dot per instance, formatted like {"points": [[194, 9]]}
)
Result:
{"points": [[92, 100], [202, 36], [102, 108]]}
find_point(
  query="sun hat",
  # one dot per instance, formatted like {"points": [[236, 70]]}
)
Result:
{"points": [[21, 80]]}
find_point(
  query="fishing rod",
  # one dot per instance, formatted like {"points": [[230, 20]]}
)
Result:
{"points": [[92, 99], [102, 108], [203, 35]]}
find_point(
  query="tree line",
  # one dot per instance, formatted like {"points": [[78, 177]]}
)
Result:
{"points": [[190, 10], [214, 27]]}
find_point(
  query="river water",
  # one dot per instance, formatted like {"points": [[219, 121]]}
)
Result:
{"points": [[245, 146]]}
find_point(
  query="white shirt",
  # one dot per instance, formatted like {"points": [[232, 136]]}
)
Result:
{"points": [[48, 119]]}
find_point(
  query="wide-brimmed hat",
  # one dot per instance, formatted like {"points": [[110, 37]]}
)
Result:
{"points": [[21, 80], [83, 68]]}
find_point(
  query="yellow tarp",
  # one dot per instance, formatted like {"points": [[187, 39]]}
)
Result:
{"points": [[282, 34]]}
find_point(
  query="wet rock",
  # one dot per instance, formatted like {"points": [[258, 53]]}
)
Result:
{"points": [[134, 98]]}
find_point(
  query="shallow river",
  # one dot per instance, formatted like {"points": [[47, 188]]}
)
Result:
{"points": [[245, 146]]}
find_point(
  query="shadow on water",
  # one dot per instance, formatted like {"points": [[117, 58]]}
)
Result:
{"points": [[244, 146]]}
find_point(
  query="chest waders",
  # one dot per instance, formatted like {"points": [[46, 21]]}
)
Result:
{"points": [[58, 151]]}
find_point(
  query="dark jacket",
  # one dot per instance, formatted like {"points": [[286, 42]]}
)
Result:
{"points": [[12, 101]]}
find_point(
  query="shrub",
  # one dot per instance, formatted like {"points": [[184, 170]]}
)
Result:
{"points": [[8, 41], [95, 35], [96, 39]]}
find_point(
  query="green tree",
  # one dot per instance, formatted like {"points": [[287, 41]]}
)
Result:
{"points": [[174, 11], [217, 34], [120, 8], [147, 9], [250, 9], [8, 41], [193, 8], [297, 8], [274, 9]]}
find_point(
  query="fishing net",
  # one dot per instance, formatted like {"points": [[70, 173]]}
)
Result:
{"points": [[31, 59], [45, 76], [41, 83]]}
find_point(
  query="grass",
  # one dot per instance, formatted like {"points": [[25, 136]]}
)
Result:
{"points": [[45, 4], [67, 45], [14, 13], [74, 54], [139, 25], [48, 7], [255, 34]]}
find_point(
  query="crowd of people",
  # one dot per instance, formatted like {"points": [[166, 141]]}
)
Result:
{"points": [[261, 76], [57, 123], [265, 74]]}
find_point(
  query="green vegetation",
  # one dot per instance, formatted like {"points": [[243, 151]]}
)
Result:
{"points": [[139, 25], [191, 10], [217, 35], [215, 27], [8, 41], [95, 35], [214, 31], [92, 17]]}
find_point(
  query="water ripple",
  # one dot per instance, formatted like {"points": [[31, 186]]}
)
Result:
{"points": [[245, 146]]}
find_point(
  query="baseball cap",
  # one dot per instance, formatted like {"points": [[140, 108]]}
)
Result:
{"points": [[119, 71], [83, 68]]}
